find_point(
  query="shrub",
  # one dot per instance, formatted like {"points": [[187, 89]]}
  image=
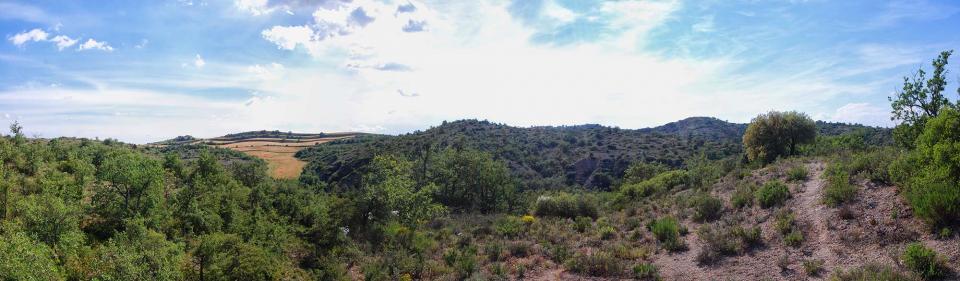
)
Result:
{"points": [[528, 219], [706, 208], [726, 239], [599, 264], [566, 206], [508, 226], [931, 173], [582, 224], [646, 271], [559, 253], [797, 173], [607, 232], [873, 165], [519, 249], [924, 261], [783, 221], [772, 193], [838, 189], [812, 267], [872, 271], [743, 195], [658, 184], [494, 251], [667, 231], [794, 238]]}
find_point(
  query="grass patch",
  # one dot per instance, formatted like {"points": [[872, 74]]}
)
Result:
{"points": [[667, 232], [797, 173], [838, 189]]}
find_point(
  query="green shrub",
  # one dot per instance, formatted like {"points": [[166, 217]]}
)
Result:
{"points": [[783, 221], [838, 189], [646, 271], [873, 165], [706, 208], [797, 173], [559, 253], [509, 226], [599, 264], [812, 267], [566, 205], [667, 232], [726, 239], [931, 173], [494, 251], [924, 261], [794, 238], [872, 272], [607, 232], [743, 195], [582, 224], [660, 183], [519, 249], [772, 193]]}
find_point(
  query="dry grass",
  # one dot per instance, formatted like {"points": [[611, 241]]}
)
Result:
{"points": [[278, 153]]}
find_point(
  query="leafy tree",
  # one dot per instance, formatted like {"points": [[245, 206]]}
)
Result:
{"points": [[389, 191], [46, 217], [931, 173], [23, 258], [132, 186], [220, 256], [138, 253], [919, 100], [776, 134], [642, 171], [471, 180]]}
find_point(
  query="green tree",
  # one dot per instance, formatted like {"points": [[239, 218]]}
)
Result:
{"points": [[22, 258], [472, 180], [220, 256], [931, 173], [138, 253], [777, 134], [132, 185], [919, 100], [47, 218], [389, 191]]}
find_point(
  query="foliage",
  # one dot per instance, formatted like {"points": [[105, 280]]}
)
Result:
{"points": [[667, 232], [772, 193], [872, 271], [660, 183], [23, 258], [566, 205], [641, 171], [777, 134], [646, 271], [726, 239], [813, 267], [920, 100], [838, 189], [706, 207], [509, 226], [924, 261], [931, 173], [743, 194], [598, 264], [797, 173], [389, 191], [469, 180]]}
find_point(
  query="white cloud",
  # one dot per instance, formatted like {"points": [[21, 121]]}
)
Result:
{"points": [[254, 7], [198, 62], [863, 113], [704, 25], [289, 37], [92, 44], [63, 42], [35, 35]]}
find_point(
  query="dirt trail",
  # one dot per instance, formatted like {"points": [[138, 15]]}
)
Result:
{"points": [[814, 216]]}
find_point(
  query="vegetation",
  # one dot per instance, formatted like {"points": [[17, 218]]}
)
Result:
{"points": [[777, 134], [924, 261], [772, 193], [873, 271]]}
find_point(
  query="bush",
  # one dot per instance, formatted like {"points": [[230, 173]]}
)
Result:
{"points": [[772, 193], [607, 232], [509, 226], [743, 195], [872, 271], [924, 261], [582, 224], [838, 189], [726, 239], [931, 173], [797, 173], [566, 206], [599, 264], [667, 231], [660, 183], [794, 238], [873, 165], [812, 267], [646, 271], [706, 208], [783, 221]]}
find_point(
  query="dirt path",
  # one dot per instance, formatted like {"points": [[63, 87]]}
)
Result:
{"points": [[814, 216]]}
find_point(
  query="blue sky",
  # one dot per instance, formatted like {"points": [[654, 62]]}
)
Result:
{"points": [[145, 71]]}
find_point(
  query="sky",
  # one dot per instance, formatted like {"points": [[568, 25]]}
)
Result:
{"points": [[143, 71]]}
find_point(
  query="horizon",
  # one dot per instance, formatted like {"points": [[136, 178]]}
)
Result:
{"points": [[146, 72]]}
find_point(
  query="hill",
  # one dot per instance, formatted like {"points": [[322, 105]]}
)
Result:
{"points": [[275, 147], [590, 156]]}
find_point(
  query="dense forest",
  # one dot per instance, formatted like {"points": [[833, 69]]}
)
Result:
{"points": [[482, 201]]}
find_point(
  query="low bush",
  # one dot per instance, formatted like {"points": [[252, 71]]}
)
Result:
{"points": [[873, 271], [838, 189], [873, 165], [794, 238], [743, 195], [726, 239], [667, 232], [607, 232], [582, 224], [509, 226], [706, 208], [598, 264], [772, 193], [660, 183], [566, 205], [783, 221], [797, 173], [646, 271], [924, 261], [812, 267]]}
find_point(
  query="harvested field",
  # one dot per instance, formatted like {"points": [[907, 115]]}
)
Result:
{"points": [[279, 153]]}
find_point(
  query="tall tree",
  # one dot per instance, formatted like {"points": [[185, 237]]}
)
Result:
{"points": [[776, 134], [919, 100]]}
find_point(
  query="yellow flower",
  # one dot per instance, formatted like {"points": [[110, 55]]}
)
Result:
{"points": [[406, 277], [528, 219]]}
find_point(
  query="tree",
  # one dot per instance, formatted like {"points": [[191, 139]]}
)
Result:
{"points": [[776, 134], [919, 100], [471, 180], [22, 258], [389, 191], [138, 253], [132, 185], [931, 173], [46, 217]]}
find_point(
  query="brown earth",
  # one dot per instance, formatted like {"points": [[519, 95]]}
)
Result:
{"points": [[278, 153]]}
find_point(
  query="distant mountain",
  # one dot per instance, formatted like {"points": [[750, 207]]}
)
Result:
{"points": [[706, 128]]}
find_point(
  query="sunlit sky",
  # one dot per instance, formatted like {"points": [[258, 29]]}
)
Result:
{"points": [[144, 71]]}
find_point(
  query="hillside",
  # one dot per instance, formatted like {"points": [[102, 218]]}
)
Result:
{"points": [[590, 156], [275, 147]]}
